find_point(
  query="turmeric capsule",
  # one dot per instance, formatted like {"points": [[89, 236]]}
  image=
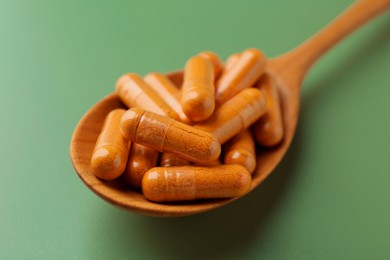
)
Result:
{"points": [[140, 160], [166, 89], [243, 74], [189, 183], [237, 114], [171, 94], [215, 60], [168, 135], [241, 150], [197, 97], [169, 159], [268, 130], [135, 92], [111, 150], [230, 61]]}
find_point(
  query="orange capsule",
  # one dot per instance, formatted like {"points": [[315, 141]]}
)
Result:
{"points": [[237, 114], [168, 135], [169, 159], [230, 61], [217, 63], [166, 89], [243, 74], [189, 183], [241, 150], [141, 159], [111, 150], [268, 130], [171, 94], [197, 97], [135, 92]]}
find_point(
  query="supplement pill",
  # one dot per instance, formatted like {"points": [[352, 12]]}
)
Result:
{"points": [[166, 89], [215, 60], [230, 61], [241, 150], [235, 115], [190, 182], [168, 135], [268, 130], [135, 92], [197, 98], [243, 74], [111, 150]]}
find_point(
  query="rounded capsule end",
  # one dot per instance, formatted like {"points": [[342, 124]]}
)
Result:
{"points": [[153, 185], [214, 149], [124, 78], [267, 134], [241, 157], [243, 181], [256, 53], [217, 64], [129, 122], [108, 162], [198, 105]]}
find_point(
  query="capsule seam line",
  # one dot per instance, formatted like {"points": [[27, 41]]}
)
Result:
{"points": [[241, 118], [165, 134], [136, 127]]}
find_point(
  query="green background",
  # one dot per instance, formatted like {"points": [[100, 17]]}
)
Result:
{"points": [[329, 199]]}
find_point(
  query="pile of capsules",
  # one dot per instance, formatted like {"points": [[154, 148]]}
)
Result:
{"points": [[192, 141]]}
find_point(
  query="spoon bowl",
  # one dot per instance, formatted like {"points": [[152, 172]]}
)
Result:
{"points": [[119, 194], [287, 71]]}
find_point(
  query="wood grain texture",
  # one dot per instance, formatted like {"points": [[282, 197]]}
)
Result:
{"points": [[288, 71]]}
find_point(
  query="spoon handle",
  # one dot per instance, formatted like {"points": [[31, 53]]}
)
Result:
{"points": [[299, 60]]}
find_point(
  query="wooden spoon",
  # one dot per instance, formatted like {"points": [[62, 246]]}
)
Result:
{"points": [[288, 70]]}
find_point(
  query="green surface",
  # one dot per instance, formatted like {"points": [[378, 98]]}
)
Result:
{"points": [[329, 199]]}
